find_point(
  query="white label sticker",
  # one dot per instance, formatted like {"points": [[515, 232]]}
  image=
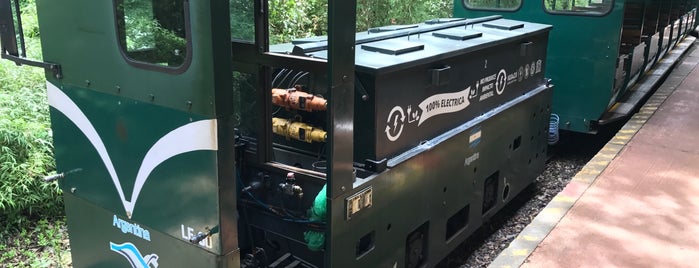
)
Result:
{"points": [[444, 103], [189, 233], [475, 136]]}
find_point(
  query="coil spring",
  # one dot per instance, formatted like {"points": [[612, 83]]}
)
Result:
{"points": [[553, 129]]}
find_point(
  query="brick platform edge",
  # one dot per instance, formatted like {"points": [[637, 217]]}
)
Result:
{"points": [[525, 243]]}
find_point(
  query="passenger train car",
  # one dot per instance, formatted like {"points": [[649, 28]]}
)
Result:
{"points": [[599, 49]]}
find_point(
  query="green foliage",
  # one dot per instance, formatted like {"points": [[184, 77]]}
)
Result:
{"points": [[570, 5], [242, 19], [291, 19], [147, 39], [296, 19], [374, 13], [138, 24], [25, 138], [40, 244], [494, 4], [32, 230]]}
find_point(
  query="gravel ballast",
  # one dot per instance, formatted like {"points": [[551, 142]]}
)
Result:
{"points": [[567, 158]]}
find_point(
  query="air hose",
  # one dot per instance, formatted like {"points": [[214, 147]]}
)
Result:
{"points": [[315, 240]]}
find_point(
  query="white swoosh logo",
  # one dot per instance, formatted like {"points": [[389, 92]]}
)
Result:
{"points": [[133, 255], [200, 135]]}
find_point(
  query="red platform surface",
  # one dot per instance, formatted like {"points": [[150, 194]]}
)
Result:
{"points": [[643, 210]]}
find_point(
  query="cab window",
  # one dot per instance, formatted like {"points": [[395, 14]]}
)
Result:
{"points": [[493, 4], [579, 7], [153, 31], [242, 20]]}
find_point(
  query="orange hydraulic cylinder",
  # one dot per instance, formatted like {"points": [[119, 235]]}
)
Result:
{"points": [[298, 100]]}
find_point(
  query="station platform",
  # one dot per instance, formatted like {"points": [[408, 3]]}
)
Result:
{"points": [[636, 203]]}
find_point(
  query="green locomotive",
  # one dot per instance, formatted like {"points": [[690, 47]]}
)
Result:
{"points": [[183, 141]]}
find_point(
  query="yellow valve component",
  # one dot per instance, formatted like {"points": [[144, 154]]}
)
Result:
{"points": [[297, 130]]}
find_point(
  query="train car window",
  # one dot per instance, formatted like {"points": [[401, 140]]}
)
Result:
{"points": [[153, 32], [247, 116], [579, 7], [242, 20], [493, 4]]}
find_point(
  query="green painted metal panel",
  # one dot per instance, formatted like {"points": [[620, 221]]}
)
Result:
{"points": [[180, 192], [150, 134], [86, 47], [101, 239], [581, 60]]}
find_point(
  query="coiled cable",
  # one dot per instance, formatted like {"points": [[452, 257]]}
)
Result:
{"points": [[553, 135]]}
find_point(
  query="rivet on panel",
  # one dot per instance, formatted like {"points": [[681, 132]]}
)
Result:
{"points": [[343, 188], [151, 97], [189, 105], [87, 83], [118, 89], [72, 190]]}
